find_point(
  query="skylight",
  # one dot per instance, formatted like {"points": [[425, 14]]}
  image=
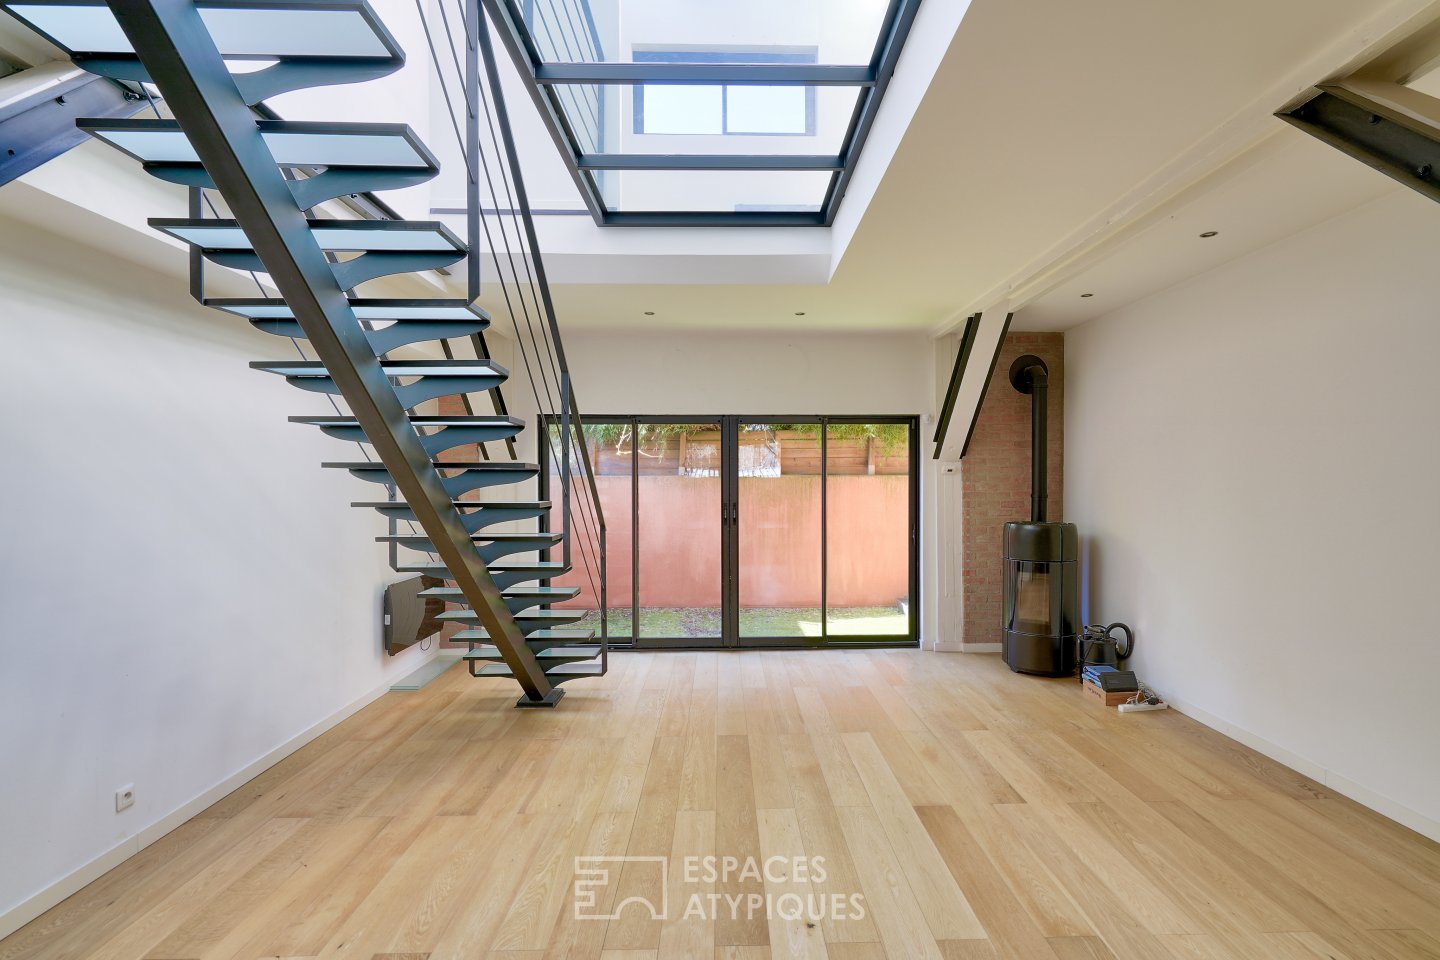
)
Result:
{"points": [[693, 112]]}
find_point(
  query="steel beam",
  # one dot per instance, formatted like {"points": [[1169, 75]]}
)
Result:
{"points": [[522, 51], [887, 55], [181, 58], [39, 107], [1386, 126], [762, 74], [712, 161], [714, 218]]}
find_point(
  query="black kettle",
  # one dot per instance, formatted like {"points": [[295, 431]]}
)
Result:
{"points": [[1098, 646]]}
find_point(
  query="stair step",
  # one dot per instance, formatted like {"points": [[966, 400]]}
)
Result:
{"points": [[434, 378], [480, 513], [544, 594], [490, 546], [302, 369], [334, 236], [386, 506], [563, 654], [449, 432], [307, 44], [558, 673], [543, 569], [240, 30], [385, 339], [528, 620], [545, 537], [472, 475], [536, 638], [292, 143], [417, 420], [516, 598], [366, 308]]}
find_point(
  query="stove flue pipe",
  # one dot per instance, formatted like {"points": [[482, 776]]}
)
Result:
{"points": [[1028, 374]]}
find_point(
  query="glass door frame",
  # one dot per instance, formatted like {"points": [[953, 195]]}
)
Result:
{"points": [[730, 539]]}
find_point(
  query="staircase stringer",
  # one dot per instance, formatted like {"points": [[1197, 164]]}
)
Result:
{"points": [[181, 59]]}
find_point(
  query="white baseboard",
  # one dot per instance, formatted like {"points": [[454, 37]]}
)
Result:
{"points": [[15, 917], [980, 647], [1383, 805]]}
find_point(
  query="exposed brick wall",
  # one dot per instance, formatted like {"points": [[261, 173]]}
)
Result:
{"points": [[996, 476]]}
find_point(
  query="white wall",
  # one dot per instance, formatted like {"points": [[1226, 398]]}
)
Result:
{"points": [[1252, 461], [184, 591], [777, 374]]}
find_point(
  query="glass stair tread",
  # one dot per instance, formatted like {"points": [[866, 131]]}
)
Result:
{"points": [[292, 143], [419, 420], [473, 504], [533, 616], [392, 368], [241, 29], [544, 568], [456, 595], [535, 638], [366, 308], [589, 668], [575, 653], [334, 236], [477, 537], [445, 465]]}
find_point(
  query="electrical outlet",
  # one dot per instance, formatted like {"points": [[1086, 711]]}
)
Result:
{"points": [[125, 797]]}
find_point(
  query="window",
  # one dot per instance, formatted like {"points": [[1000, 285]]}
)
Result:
{"points": [[753, 531], [729, 110]]}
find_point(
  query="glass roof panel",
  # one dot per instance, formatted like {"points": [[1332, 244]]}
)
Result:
{"points": [[721, 191], [743, 107], [688, 119], [746, 31]]}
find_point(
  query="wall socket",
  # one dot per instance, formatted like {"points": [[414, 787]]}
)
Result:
{"points": [[125, 797]]}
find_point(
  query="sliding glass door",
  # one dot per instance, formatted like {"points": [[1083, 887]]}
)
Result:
{"points": [[758, 531]]}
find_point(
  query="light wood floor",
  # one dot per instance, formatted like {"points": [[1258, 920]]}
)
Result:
{"points": [[979, 814]]}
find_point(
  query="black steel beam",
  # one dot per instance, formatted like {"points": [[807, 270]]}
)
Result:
{"points": [[1386, 126], [763, 74], [957, 374], [522, 51], [713, 218], [36, 129], [708, 161], [985, 385], [180, 56], [900, 19]]}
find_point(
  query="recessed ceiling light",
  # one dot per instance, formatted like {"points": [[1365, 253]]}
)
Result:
{"points": [[1209, 233], [1087, 294], [649, 313]]}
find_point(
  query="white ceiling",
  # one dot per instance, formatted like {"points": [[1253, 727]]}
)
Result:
{"points": [[1058, 149], [1051, 134]]}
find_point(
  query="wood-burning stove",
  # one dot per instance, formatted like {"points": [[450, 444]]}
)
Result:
{"points": [[1041, 611]]}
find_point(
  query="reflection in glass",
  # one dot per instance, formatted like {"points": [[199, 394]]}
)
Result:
{"points": [[612, 479], [868, 529], [779, 529], [680, 532]]}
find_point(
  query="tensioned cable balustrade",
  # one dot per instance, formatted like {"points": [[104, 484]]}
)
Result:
{"points": [[480, 124]]}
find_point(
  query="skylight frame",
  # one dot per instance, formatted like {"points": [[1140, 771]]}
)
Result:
{"points": [[545, 79]]}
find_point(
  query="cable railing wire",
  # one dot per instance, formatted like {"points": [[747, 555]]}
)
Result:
{"points": [[553, 380]]}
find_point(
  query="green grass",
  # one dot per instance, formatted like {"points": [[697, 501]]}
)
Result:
{"points": [[704, 622]]}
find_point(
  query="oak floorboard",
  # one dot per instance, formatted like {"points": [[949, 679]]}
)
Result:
{"points": [[973, 813]]}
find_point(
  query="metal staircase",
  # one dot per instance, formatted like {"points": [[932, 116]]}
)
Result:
{"points": [[277, 179]]}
